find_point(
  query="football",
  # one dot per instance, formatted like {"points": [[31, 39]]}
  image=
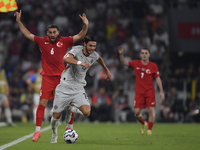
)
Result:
{"points": [[70, 136]]}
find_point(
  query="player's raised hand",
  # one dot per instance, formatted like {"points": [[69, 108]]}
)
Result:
{"points": [[120, 49], [18, 15], [108, 75], [84, 18], [86, 65]]}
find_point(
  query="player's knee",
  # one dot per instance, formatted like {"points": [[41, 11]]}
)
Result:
{"points": [[137, 113], [151, 113], [86, 113]]}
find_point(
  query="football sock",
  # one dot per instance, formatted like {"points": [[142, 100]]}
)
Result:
{"points": [[150, 125], [37, 128], [34, 114], [54, 124], [70, 125], [76, 110], [39, 115], [141, 121], [8, 115]]}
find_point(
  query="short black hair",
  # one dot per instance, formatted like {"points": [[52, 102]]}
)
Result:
{"points": [[52, 26], [145, 49], [88, 38]]}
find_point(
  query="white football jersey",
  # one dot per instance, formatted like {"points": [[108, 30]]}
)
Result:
{"points": [[74, 75]]}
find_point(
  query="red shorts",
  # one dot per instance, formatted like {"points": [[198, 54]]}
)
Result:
{"points": [[48, 86], [147, 99]]}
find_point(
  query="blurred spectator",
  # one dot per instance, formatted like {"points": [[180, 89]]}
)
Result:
{"points": [[61, 20], [157, 7], [15, 49], [4, 93], [34, 80], [161, 37], [26, 101], [177, 105], [101, 106], [3, 51], [165, 108], [121, 107], [193, 107]]}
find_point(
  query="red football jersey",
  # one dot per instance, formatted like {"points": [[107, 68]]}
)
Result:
{"points": [[144, 75], [52, 54]]}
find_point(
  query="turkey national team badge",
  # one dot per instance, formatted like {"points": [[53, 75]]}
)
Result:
{"points": [[148, 71], [59, 44]]}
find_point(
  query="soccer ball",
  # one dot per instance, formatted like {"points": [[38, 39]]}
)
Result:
{"points": [[70, 136]]}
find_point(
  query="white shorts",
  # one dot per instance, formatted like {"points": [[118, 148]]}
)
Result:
{"points": [[64, 95], [2, 98]]}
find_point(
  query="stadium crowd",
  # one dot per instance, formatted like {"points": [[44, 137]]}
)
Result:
{"points": [[134, 24]]}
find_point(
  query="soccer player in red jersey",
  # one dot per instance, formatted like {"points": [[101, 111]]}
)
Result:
{"points": [[53, 48], [145, 72]]}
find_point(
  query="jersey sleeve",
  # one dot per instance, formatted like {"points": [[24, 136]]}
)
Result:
{"points": [[73, 51], [131, 64], [69, 40], [38, 39], [96, 55], [156, 73]]}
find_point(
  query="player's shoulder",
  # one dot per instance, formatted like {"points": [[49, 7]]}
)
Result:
{"points": [[41, 39], [75, 49], [135, 61], [152, 63], [95, 53]]}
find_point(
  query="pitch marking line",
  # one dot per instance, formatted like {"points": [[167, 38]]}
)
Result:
{"points": [[22, 139]]}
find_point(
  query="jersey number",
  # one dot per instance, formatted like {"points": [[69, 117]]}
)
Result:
{"points": [[52, 52], [142, 74]]}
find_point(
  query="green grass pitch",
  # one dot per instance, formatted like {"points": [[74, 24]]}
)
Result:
{"points": [[107, 136]]}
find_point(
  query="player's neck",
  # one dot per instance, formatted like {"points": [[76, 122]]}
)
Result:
{"points": [[145, 62], [85, 52]]}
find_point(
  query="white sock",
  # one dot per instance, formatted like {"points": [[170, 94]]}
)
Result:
{"points": [[37, 128], [8, 115], [70, 126], [54, 125], [34, 114], [76, 110]]}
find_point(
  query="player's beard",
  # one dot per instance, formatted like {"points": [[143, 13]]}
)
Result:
{"points": [[55, 39], [87, 50]]}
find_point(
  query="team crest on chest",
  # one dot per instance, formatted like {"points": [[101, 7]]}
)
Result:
{"points": [[59, 44], [148, 71]]}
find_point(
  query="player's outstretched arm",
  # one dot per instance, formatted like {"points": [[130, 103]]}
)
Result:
{"points": [[101, 62], [69, 58], [23, 29], [159, 82], [83, 32], [121, 56]]}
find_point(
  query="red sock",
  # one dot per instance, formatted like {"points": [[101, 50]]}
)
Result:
{"points": [[72, 119], [141, 121], [150, 125], [40, 115]]}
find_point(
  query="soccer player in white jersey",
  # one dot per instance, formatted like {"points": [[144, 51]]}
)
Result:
{"points": [[71, 87]]}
